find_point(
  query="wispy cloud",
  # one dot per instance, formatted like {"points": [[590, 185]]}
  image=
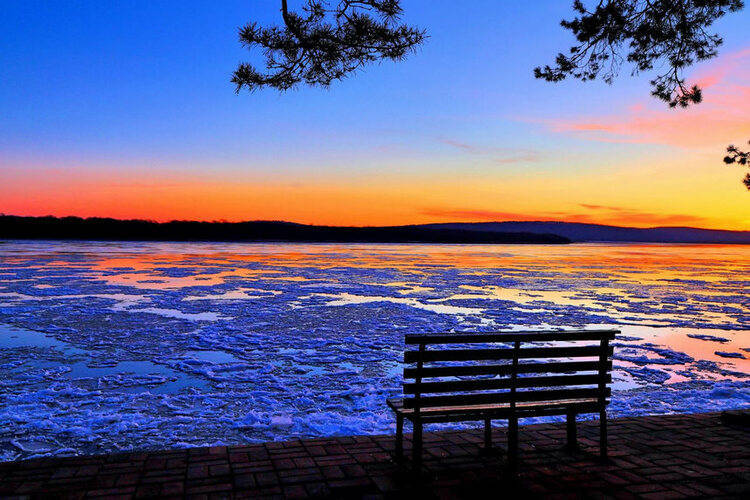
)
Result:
{"points": [[596, 214], [599, 207], [611, 214], [470, 215], [469, 148], [723, 117], [496, 154]]}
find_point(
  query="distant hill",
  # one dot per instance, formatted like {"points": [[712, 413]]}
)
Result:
{"points": [[578, 232], [76, 228]]}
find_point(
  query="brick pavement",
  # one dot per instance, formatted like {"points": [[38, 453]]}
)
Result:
{"points": [[674, 456]]}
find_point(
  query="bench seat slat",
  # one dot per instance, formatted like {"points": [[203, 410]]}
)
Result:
{"points": [[511, 336], [504, 383], [498, 410], [505, 397], [400, 404], [469, 370], [534, 411], [497, 354]]}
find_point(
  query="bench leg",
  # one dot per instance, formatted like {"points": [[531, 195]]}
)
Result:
{"points": [[513, 443], [416, 448], [487, 434], [572, 432], [399, 437], [603, 434]]}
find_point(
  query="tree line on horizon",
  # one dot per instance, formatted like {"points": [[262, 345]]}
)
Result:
{"points": [[103, 228]]}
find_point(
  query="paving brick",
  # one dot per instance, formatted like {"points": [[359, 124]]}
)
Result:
{"points": [[645, 488], [197, 471], [209, 488], [266, 479], [127, 479], [244, 481], [112, 492], [219, 470], [353, 470], [148, 491], [332, 472], [651, 457], [173, 488], [294, 491], [316, 450], [283, 463], [350, 483], [663, 495]]}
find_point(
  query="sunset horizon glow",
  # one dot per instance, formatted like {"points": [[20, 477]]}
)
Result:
{"points": [[458, 132]]}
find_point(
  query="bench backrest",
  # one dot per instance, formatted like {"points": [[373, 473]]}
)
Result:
{"points": [[467, 369]]}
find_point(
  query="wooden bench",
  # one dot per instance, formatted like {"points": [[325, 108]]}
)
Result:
{"points": [[460, 377]]}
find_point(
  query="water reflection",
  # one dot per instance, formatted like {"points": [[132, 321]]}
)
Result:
{"points": [[162, 344]]}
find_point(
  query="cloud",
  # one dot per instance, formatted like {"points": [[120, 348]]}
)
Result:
{"points": [[723, 117], [141, 185], [598, 214], [640, 217], [496, 154], [599, 207], [462, 146], [647, 219], [476, 215]]}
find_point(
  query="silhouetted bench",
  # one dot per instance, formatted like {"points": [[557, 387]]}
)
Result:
{"points": [[504, 376]]}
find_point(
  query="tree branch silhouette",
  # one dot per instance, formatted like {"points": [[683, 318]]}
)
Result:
{"points": [[735, 155], [646, 34], [328, 41]]}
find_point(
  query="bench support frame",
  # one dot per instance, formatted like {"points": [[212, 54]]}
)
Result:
{"points": [[513, 414], [572, 443]]}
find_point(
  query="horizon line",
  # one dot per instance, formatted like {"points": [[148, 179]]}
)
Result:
{"points": [[244, 221]]}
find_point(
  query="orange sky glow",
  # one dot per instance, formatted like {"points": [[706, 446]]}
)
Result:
{"points": [[680, 183], [648, 195]]}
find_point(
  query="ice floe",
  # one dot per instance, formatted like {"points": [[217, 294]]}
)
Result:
{"points": [[116, 346]]}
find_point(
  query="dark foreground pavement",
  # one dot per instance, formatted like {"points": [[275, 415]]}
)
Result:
{"points": [[673, 456]]}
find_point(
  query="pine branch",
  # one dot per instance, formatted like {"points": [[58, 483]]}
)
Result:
{"points": [[644, 33], [325, 43]]}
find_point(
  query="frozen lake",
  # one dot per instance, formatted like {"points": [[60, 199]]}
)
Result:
{"points": [[116, 346]]}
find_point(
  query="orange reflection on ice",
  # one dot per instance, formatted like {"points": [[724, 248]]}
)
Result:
{"points": [[626, 263]]}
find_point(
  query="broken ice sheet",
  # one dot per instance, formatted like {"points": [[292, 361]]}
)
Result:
{"points": [[116, 346]]}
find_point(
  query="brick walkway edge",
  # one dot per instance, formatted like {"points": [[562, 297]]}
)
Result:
{"points": [[673, 456]]}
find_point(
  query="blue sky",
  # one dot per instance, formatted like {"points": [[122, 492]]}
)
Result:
{"points": [[123, 88]]}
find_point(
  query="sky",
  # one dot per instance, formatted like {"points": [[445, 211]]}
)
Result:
{"points": [[125, 109]]}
